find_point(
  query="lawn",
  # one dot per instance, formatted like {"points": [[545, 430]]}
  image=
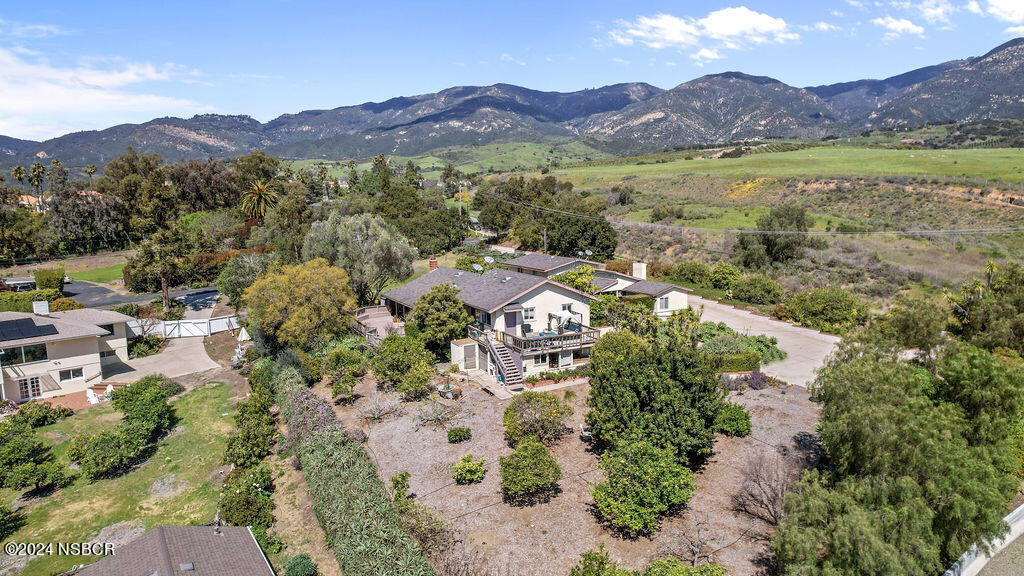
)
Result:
{"points": [[1005, 164], [100, 275], [184, 461]]}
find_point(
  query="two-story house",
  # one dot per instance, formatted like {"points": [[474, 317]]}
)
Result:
{"points": [[668, 298], [524, 324], [48, 354]]}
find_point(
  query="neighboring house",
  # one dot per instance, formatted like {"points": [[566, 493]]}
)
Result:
{"points": [[186, 551], [30, 202], [524, 324], [668, 298], [20, 284], [51, 354]]}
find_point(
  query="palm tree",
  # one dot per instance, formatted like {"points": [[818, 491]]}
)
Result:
{"points": [[36, 175], [90, 169], [257, 199], [18, 172]]}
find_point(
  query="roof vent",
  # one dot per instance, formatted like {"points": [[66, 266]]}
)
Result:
{"points": [[459, 273], [186, 567], [506, 279], [41, 308]]}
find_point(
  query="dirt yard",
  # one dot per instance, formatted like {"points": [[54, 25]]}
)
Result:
{"points": [[72, 265], [547, 539]]}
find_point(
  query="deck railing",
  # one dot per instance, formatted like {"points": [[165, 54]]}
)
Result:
{"points": [[567, 340]]}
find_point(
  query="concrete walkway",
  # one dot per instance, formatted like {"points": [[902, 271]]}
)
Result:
{"points": [[806, 349], [180, 356]]}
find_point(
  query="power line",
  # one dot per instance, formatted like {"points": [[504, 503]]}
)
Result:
{"points": [[621, 222]]}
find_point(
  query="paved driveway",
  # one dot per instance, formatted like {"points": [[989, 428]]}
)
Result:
{"points": [[180, 356], [806, 349], [92, 295]]}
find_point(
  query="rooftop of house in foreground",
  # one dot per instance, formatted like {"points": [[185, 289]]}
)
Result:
{"points": [[652, 288], [487, 291], [188, 550]]}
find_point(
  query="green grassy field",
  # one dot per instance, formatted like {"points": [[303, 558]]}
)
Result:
{"points": [[475, 159], [77, 512], [100, 275], [1005, 164]]}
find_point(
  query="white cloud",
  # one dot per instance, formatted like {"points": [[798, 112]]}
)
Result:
{"points": [[975, 8], [1008, 10], [40, 100], [897, 27], [621, 61], [9, 29], [506, 57], [821, 27], [726, 29], [934, 11], [1016, 30]]}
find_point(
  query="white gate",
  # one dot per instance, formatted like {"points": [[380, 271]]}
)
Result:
{"points": [[183, 328]]}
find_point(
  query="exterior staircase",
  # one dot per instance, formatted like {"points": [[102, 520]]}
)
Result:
{"points": [[513, 375]]}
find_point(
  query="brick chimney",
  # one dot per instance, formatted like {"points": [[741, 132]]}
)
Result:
{"points": [[433, 263]]}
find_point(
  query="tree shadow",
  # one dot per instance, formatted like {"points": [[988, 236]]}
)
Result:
{"points": [[539, 497], [809, 447]]}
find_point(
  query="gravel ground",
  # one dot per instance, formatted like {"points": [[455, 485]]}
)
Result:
{"points": [[548, 538], [1009, 562]]}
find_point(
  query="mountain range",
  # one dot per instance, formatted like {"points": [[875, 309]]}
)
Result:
{"points": [[635, 116]]}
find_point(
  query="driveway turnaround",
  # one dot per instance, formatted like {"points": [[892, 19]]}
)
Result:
{"points": [[180, 356], [806, 350], [92, 295]]}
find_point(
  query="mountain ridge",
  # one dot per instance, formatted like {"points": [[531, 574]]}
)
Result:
{"points": [[714, 108]]}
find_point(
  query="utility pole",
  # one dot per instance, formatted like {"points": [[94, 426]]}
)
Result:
{"points": [[545, 240]]}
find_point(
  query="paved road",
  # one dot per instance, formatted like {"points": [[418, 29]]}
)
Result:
{"points": [[1008, 562], [93, 295], [806, 349]]}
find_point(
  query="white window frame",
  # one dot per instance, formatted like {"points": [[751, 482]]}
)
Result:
{"points": [[529, 314], [29, 387], [567, 307], [540, 359], [71, 374], [663, 303]]}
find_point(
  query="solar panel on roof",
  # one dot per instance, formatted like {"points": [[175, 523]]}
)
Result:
{"points": [[24, 328]]}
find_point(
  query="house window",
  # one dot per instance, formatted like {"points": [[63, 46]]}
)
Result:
{"points": [[108, 327], [29, 388], [25, 354], [71, 374], [540, 359], [483, 317], [529, 314], [107, 353], [663, 303], [567, 307]]}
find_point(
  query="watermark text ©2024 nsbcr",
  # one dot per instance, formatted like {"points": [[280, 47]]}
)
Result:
{"points": [[59, 548]]}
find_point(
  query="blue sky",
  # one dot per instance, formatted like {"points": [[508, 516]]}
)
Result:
{"points": [[71, 65]]}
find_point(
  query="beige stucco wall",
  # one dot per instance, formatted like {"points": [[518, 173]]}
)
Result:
{"points": [[63, 355], [546, 300], [677, 300], [117, 342]]}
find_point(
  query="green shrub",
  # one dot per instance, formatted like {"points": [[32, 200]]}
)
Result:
{"points": [[50, 278], [36, 414], [165, 384], [758, 289], [300, 565], [406, 363], [642, 483], [145, 401], [253, 438], [456, 435], [676, 567], [725, 276], [245, 498], [694, 272], [65, 304], [826, 309], [22, 301], [261, 374], [536, 414], [142, 346], [468, 471], [110, 452], [742, 362], [529, 473], [733, 420]]}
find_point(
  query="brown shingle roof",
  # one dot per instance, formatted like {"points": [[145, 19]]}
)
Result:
{"points": [[652, 288], [543, 262], [223, 551]]}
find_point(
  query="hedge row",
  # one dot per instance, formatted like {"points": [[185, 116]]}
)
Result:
{"points": [[350, 501], [743, 362], [22, 301]]}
